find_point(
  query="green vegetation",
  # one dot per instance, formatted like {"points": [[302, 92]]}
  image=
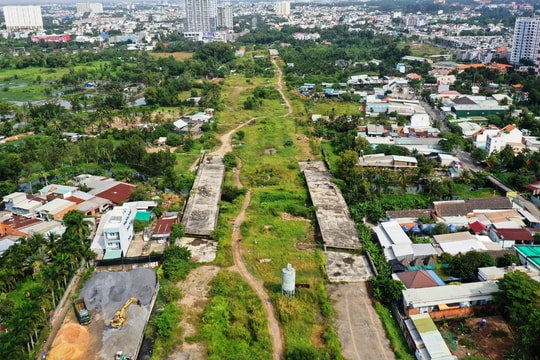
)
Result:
{"points": [[519, 300], [234, 323], [176, 265], [394, 333], [34, 274], [163, 330]]}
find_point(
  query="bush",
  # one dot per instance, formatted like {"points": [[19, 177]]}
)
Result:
{"points": [[175, 263], [468, 343]]}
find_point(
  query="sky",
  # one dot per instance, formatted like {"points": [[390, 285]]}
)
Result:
{"points": [[47, 2]]}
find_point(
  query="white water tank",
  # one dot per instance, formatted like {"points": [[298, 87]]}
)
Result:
{"points": [[288, 280]]}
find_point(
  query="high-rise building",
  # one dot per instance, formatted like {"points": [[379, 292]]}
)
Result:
{"points": [[526, 39], [225, 16], [23, 17], [94, 8], [283, 8], [201, 16]]}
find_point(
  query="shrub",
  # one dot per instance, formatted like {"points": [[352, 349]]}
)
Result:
{"points": [[468, 343]]}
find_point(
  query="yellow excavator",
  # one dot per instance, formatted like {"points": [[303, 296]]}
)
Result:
{"points": [[119, 317]]}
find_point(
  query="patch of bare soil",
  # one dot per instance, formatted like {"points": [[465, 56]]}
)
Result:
{"points": [[72, 342], [195, 289], [288, 217], [465, 337], [269, 151]]}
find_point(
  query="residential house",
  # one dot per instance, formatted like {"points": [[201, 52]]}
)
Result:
{"points": [[446, 159], [449, 301], [480, 137], [510, 237], [55, 209], [457, 210], [493, 273], [22, 204], [162, 231], [22, 226], [397, 246], [114, 233], [529, 255], [459, 242], [89, 204], [426, 338], [417, 279], [387, 161], [54, 190], [509, 135], [7, 242], [115, 191]]}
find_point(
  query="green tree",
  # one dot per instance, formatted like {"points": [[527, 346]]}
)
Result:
{"points": [[76, 225], [519, 300], [177, 232], [176, 263]]}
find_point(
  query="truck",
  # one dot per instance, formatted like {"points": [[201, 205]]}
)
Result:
{"points": [[83, 315]]}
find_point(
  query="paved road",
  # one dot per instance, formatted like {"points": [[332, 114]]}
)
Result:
{"points": [[360, 331]]}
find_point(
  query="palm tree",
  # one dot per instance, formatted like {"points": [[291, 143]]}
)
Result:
{"points": [[76, 225], [37, 261]]}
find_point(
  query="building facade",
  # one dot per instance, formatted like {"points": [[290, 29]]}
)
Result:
{"points": [[225, 16], [201, 16], [283, 8], [23, 17], [525, 41], [93, 8]]}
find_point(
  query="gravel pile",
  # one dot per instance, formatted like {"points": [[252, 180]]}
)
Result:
{"points": [[108, 291]]}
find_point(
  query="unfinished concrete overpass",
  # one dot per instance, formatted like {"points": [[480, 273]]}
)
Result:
{"points": [[337, 228], [202, 209]]}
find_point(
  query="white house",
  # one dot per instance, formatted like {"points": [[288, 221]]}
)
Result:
{"points": [[420, 120], [115, 232], [508, 135], [481, 136]]}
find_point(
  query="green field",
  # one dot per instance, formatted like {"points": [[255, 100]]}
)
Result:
{"points": [[35, 83], [277, 225]]}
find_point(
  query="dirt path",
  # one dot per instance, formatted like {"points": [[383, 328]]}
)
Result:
{"points": [[256, 286], [280, 89], [226, 139], [195, 289]]}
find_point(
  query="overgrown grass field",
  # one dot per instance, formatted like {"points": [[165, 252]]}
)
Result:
{"points": [[277, 219]]}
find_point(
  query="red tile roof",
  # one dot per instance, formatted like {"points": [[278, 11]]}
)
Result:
{"points": [[477, 227], [20, 222], [417, 279], [515, 234], [164, 225], [117, 194]]}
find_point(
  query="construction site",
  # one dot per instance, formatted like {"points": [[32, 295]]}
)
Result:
{"points": [[119, 305]]}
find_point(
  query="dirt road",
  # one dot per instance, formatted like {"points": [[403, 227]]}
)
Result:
{"points": [[226, 139], [359, 329], [240, 267], [280, 89]]}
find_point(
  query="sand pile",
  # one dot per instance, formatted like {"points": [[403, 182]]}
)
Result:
{"points": [[71, 343]]}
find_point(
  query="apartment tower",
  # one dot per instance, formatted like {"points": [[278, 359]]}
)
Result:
{"points": [[23, 17], [201, 16], [283, 8], [525, 41], [225, 16]]}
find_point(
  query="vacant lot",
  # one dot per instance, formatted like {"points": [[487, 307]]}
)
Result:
{"points": [[464, 337], [176, 55]]}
